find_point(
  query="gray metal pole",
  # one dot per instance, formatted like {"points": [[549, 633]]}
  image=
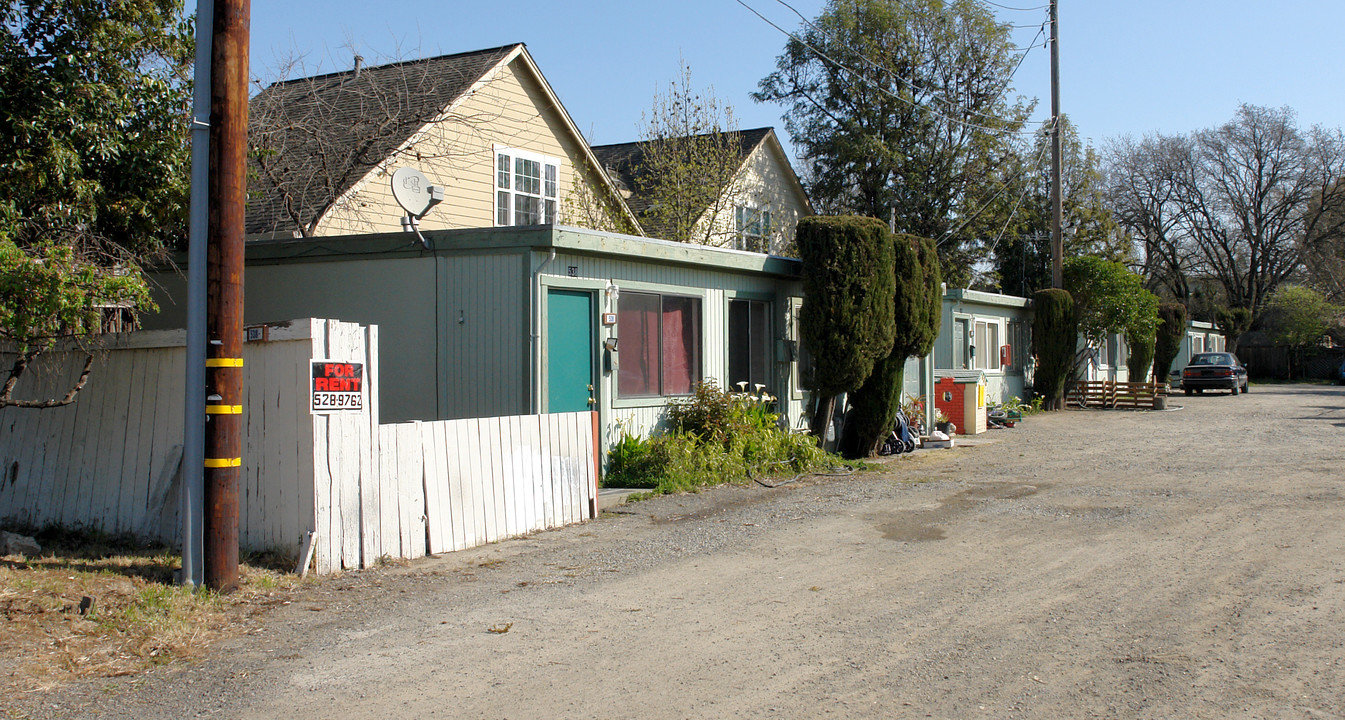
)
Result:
{"points": [[1057, 202], [193, 438]]}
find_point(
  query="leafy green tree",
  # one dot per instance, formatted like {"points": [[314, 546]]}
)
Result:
{"points": [[1108, 298], [1168, 343], [918, 304], [1054, 336], [847, 317], [47, 292], [93, 159], [1298, 317], [898, 111]]}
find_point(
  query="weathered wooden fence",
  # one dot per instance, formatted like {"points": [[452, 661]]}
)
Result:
{"points": [[363, 490], [1112, 394]]}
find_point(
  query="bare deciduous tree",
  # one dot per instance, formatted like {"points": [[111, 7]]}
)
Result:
{"points": [[1143, 190], [691, 153], [1236, 204], [1324, 242]]}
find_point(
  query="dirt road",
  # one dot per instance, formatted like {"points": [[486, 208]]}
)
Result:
{"points": [[1183, 564]]}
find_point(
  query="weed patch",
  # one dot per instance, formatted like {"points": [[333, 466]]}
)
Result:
{"points": [[97, 605], [715, 437]]}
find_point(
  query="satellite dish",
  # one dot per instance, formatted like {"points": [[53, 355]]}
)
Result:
{"points": [[413, 191]]}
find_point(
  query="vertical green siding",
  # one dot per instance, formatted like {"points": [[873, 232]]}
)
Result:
{"points": [[486, 330], [397, 294]]}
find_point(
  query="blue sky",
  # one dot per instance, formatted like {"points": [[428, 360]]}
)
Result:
{"points": [[1127, 66]]}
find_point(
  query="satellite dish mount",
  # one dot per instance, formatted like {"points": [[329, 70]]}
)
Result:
{"points": [[413, 191]]}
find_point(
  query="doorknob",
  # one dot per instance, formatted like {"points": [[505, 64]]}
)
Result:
{"points": [[591, 401], [590, 387]]}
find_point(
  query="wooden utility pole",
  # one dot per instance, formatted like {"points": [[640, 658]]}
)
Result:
{"points": [[1057, 203], [224, 291]]}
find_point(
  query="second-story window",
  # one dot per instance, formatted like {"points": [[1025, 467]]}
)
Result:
{"points": [[525, 188]]}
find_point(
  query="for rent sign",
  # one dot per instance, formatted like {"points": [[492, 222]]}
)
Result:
{"points": [[337, 386]]}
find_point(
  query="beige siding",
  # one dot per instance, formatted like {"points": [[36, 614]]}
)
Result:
{"points": [[511, 110], [766, 182]]}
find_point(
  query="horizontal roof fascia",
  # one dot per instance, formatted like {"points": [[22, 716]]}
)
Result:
{"points": [[985, 298], [543, 238]]}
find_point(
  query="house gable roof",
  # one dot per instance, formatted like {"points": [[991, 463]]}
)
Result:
{"points": [[625, 160], [371, 114], [336, 107]]}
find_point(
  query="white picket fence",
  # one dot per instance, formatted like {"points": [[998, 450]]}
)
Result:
{"points": [[363, 490]]}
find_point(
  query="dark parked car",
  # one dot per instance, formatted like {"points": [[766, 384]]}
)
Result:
{"points": [[1214, 371]]}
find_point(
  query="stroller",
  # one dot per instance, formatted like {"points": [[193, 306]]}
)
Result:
{"points": [[899, 440]]}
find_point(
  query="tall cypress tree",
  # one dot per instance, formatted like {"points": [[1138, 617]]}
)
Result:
{"points": [[1054, 336], [917, 314], [846, 318], [1168, 344]]}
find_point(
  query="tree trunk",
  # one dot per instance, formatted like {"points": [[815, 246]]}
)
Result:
{"points": [[826, 407]]}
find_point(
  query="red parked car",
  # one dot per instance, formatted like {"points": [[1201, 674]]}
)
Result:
{"points": [[1214, 371]]}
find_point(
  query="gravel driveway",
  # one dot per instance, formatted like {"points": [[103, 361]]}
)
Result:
{"points": [[1111, 564]]}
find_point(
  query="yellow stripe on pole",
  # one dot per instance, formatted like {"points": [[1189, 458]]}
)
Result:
{"points": [[224, 362], [223, 409], [223, 462]]}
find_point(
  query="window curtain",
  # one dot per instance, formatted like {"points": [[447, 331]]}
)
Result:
{"points": [[681, 344], [638, 329]]}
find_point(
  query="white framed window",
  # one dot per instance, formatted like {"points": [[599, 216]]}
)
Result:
{"points": [[753, 227], [526, 187], [986, 341]]}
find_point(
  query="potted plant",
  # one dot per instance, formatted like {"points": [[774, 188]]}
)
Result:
{"points": [[941, 422]]}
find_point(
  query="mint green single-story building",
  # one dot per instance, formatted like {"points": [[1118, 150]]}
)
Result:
{"points": [[989, 332], [538, 319]]}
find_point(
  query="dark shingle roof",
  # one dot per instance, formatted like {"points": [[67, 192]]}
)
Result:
{"points": [[623, 162], [320, 135]]}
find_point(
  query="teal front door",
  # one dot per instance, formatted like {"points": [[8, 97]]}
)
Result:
{"points": [[570, 348]]}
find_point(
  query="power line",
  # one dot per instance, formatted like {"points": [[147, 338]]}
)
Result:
{"points": [[878, 87], [1003, 187], [1014, 213], [1040, 30], [1016, 9]]}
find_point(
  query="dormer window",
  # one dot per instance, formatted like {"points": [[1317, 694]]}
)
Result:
{"points": [[526, 187]]}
